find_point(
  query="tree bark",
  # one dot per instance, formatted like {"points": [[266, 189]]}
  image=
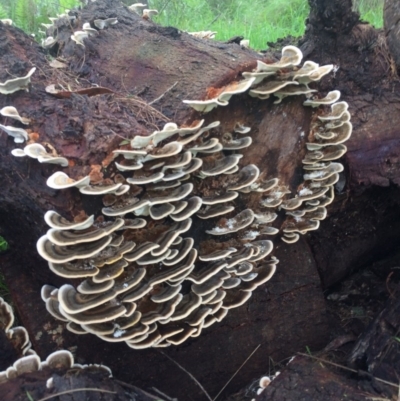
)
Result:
{"points": [[143, 63]]}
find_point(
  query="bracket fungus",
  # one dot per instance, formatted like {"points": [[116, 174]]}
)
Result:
{"points": [[16, 84], [104, 23], [28, 361], [12, 112], [153, 280], [137, 7], [19, 134]]}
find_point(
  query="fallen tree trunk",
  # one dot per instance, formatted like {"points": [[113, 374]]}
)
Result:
{"points": [[150, 70]]}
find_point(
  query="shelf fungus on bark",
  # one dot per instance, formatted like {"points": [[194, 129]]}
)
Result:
{"points": [[327, 135], [28, 361], [16, 84], [38, 151], [148, 277], [12, 112]]}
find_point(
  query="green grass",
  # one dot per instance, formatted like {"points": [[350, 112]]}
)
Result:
{"points": [[261, 21], [3, 244]]}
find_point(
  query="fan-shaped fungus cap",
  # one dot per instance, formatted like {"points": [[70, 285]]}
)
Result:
{"points": [[300, 225], [338, 135], [217, 255], [61, 359], [292, 91], [26, 364], [258, 75], [73, 302], [291, 56], [79, 36], [18, 152], [193, 205], [270, 87], [225, 197], [214, 211], [240, 221], [204, 106], [61, 254], [6, 315], [88, 29], [103, 313], [19, 134], [235, 88], [10, 111], [203, 34], [16, 84], [60, 180], [222, 165], [35, 150], [176, 195], [137, 7], [6, 21], [241, 129], [158, 212], [330, 98], [168, 150], [184, 248], [62, 161], [302, 74], [104, 23], [318, 175], [100, 189], [327, 153], [247, 175], [63, 237], [236, 144], [320, 72], [54, 220], [147, 14], [290, 238], [337, 110], [339, 121]]}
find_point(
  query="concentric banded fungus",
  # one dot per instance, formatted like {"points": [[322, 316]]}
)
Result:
{"points": [[38, 151], [28, 361], [60, 180], [150, 284]]}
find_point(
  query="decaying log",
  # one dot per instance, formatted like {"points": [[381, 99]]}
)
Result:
{"points": [[150, 70], [377, 350], [307, 379]]}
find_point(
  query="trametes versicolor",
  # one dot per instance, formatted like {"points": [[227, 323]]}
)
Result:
{"points": [[156, 287]]}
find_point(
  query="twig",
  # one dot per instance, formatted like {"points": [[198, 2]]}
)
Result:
{"points": [[216, 18], [75, 391], [162, 95], [164, 395], [188, 373], [349, 369], [240, 367], [127, 385], [164, 6]]}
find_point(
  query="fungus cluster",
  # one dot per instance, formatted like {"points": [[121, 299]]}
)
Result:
{"points": [[148, 277], [28, 360], [20, 135]]}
